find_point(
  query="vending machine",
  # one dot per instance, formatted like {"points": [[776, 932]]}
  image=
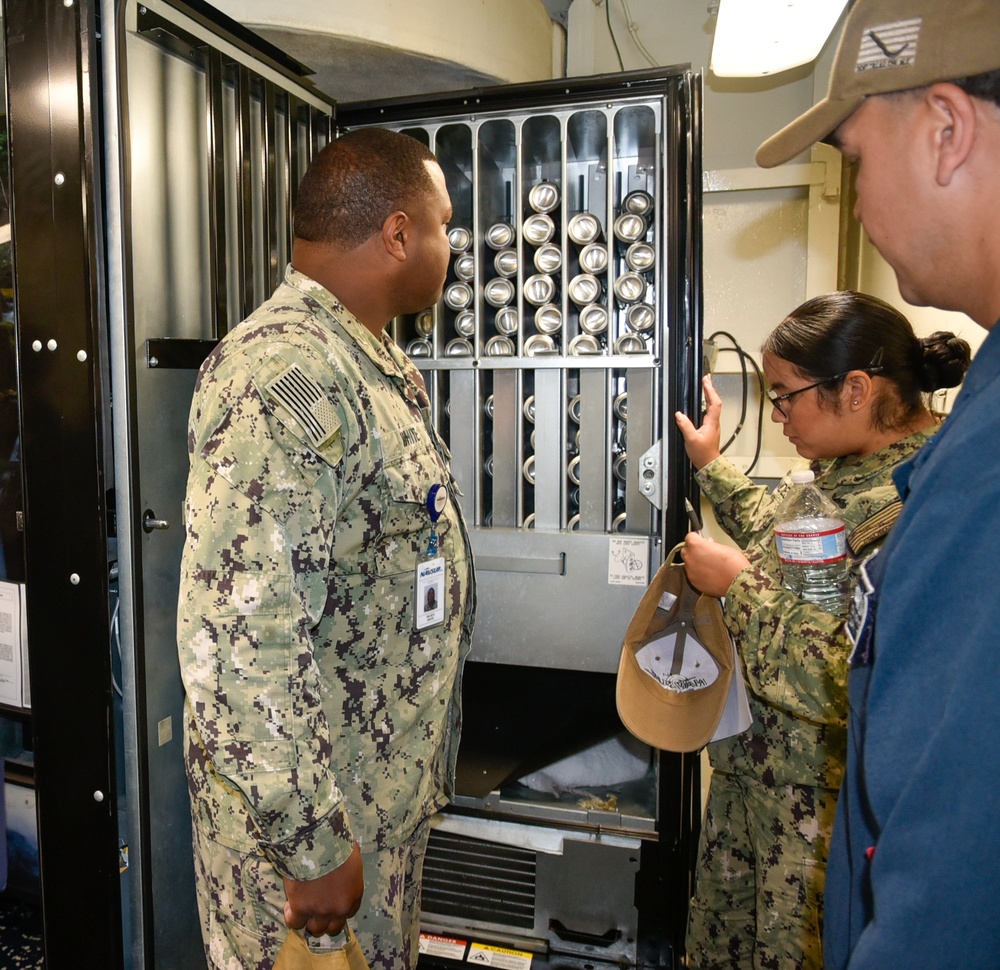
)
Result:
{"points": [[567, 336], [155, 150]]}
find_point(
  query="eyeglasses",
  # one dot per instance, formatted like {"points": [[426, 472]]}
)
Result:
{"points": [[875, 367]]}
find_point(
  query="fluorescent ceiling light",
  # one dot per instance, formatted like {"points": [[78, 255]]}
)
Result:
{"points": [[757, 37]]}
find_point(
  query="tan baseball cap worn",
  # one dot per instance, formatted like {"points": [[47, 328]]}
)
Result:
{"points": [[676, 665], [894, 45]]}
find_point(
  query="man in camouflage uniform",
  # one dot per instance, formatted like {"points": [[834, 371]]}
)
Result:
{"points": [[322, 702]]}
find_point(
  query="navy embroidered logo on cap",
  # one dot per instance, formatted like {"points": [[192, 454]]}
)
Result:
{"points": [[889, 45]]}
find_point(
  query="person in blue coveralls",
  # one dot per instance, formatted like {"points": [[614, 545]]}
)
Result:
{"points": [[914, 103]]}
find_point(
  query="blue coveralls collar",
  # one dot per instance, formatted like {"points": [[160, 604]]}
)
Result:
{"points": [[985, 368]]}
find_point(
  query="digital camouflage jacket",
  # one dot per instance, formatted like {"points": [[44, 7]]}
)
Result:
{"points": [[795, 654], [317, 714]]}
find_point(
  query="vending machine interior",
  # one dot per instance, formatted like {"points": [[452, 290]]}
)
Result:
{"points": [[565, 339]]}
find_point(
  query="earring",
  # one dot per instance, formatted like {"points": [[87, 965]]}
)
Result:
{"points": [[854, 403]]}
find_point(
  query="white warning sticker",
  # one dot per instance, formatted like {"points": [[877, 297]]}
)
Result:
{"points": [[442, 946], [628, 562]]}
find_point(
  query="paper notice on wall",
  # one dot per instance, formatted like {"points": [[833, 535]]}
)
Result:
{"points": [[10, 644], [628, 562]]}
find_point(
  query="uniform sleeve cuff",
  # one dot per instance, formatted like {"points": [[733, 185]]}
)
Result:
{"points": [[719, 479], [313, 852]]}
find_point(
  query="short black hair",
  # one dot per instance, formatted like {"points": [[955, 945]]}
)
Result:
{"points": [[984, 86], [356, 182]]}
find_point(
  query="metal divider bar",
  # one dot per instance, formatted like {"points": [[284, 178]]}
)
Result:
{"points": [[506, 450], [595, 434], [219, 285], [641, 436], [550, 448]]}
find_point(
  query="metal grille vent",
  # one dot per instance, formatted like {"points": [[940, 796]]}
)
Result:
{"points": [[477, 880]]}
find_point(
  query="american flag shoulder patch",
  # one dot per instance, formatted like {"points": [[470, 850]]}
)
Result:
{"points": [[305, 401]]}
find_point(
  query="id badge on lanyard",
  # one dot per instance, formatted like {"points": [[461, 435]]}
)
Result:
{"points": [[428, 587]]}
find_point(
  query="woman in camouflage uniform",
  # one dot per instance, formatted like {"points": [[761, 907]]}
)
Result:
{"points": [[846, 376]]}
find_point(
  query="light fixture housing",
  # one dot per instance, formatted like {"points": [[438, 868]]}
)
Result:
{"points": [[754, 38]]}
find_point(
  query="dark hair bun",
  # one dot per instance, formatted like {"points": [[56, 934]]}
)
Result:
{"points": [[946, 358]]}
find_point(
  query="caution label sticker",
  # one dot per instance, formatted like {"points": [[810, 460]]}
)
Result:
{"points": [[481, 955]]}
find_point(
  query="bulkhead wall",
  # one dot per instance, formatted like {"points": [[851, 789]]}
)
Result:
{"points": [[384, 48]]}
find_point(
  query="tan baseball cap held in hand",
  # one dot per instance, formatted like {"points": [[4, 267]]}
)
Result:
{"points": [[676, 664], [894, 45]]}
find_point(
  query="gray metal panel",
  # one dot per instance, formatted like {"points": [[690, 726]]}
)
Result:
{"points": [[463, 419], [167, 244], [549, 449], [595, 434], [549, 602], [506, 454], [642, 433], [172, 298]]}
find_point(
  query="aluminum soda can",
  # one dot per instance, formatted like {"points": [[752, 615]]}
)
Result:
{"points": [[584, 344], [543, 196], [506, 321], [548, 258], [641, 318], [498, 292], [640, 257], [459, 239], [548, 319], [457, 296], [629, 227], [630, 288], [594, 258], [630, 343], [458, 347], [538, 229], [539, 343], [500, 235], [424, 323], [594, 318], [500, 346], [584, 228], [639, 203], [465, 266], [584, 288], [419, 347], [505, 262], [465, 323], [539, 289]]}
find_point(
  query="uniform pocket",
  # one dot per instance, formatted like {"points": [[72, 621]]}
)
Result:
{"points": [[410, 468]]}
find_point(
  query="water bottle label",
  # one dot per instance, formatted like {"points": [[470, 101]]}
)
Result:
{"points": [[812, 548]]}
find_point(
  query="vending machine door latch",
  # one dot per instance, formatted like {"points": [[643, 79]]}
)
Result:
{"points": [[651, 475]]}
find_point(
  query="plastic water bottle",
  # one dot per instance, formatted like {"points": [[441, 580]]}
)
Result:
{"points": [[812, 545]]}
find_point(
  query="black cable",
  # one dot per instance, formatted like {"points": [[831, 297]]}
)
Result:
{"points": [[760, 414], [745, 384], [611, 30], [744, 359]]}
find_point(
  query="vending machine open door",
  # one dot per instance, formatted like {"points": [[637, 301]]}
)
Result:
{"points": [[567, 336]]}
